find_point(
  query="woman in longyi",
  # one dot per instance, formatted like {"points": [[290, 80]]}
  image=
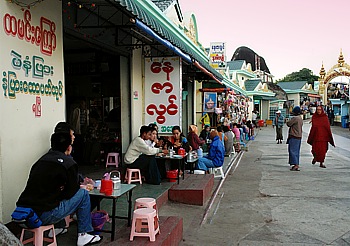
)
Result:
{"points": [[320, 135]]}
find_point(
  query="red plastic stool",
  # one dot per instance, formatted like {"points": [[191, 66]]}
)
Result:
{"points": [[133, 175], [38, 236], [151, 227]]}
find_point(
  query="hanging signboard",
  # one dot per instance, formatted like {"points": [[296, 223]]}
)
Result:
{"points": [[163, 92], [218, 55]]}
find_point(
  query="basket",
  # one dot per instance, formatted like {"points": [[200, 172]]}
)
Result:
{"points": [[98, 219], [172, 175]]}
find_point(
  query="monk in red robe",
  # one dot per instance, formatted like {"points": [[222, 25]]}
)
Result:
{"points": [[320, 135]]}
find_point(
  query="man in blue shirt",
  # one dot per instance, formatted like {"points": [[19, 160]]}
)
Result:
{"points": [[216, 155]]}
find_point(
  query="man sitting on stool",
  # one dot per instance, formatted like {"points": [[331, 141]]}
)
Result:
{"points": [[141, 156], [53, 191], [216, 155]]}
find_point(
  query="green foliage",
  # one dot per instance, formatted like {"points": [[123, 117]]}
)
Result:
{"points": [[304, 74]]}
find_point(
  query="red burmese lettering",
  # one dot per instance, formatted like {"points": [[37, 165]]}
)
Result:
{"points": [[168, 68], [151, 109], [170, 85], [156, 88], [156, 67], [172, 109], [161, 119], [43, 35]]}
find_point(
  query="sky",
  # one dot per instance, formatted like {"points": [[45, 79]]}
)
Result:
{"points": [[289, 34]]}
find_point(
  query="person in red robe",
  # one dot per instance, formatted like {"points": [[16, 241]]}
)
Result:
{"points": [[320, 135]]}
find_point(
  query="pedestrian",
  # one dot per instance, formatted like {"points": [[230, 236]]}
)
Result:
{"points": [[320, 135], [254, 117], [331, 117], [295, 134], [278, 121]]}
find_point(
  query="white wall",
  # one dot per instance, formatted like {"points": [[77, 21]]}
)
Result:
{"points": [[137, 105], [24, 137], [294, 97], [125, 102]]}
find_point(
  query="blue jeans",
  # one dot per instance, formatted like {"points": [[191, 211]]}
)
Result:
{"points": [[79, 204], [204, 164]]}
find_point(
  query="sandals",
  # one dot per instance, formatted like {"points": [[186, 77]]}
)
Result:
{"points": [[294, 169], [87, 239], [58, 231]]}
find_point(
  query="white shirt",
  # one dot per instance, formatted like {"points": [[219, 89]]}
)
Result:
{"points": [[254, 116], [137, 147]]}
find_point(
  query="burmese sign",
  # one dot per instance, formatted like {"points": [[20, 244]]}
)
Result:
{"points": [[163, 92], [32, 98], [218, 55]]}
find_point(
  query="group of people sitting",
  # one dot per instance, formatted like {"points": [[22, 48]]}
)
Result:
{"points": [[143, 149]]}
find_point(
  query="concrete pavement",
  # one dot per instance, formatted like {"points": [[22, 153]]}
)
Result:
{"points": [[263, 203]]}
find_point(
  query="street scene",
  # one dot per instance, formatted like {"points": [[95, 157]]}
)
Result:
{"points": [[174, 122], [263, 203]]}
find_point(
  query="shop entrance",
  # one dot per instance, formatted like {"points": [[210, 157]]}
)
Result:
{"points": [[92, 100]]}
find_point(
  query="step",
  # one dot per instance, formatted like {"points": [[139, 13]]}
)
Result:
{"points": [[195, 189], [171, 233]]}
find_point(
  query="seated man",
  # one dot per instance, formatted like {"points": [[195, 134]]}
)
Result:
{"points": [[53, 192], [216, 155], [141, 156]]}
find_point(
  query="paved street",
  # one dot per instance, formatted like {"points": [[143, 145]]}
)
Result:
{"points": [[263, 203]]}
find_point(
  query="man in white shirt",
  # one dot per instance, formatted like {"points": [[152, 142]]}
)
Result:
{"points": [[141, 156]]}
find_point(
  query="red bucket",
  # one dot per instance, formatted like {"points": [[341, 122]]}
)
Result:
{"points": [[172, 175]]}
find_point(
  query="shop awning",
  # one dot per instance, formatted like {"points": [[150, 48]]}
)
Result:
{"points": [[153, 18], [314, 95]]}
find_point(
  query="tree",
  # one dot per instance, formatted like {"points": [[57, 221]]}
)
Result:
{"points": [[304, 74]]}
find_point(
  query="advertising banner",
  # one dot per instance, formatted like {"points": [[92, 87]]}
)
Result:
{"points": [[163, 95], [218, 55]]}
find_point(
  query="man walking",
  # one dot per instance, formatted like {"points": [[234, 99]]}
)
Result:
{"points": [[278, 121]]}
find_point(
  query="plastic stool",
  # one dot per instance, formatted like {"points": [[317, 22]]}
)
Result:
{"points": [[38, 236], [148, 215], [146, 202], [112, 159], [218, 172], [133, 175]]}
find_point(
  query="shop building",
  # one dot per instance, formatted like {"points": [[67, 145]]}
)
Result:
{"points": [[108, 56], [301, 93]]}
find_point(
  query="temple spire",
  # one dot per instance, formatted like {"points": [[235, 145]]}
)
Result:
{"points": [[341, 59], [322, 71]]}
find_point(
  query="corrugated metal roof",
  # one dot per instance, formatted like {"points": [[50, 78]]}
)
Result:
{"points": [[163, 4], [149, 14], [235, 65], [251, 84], [292, 85]]}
